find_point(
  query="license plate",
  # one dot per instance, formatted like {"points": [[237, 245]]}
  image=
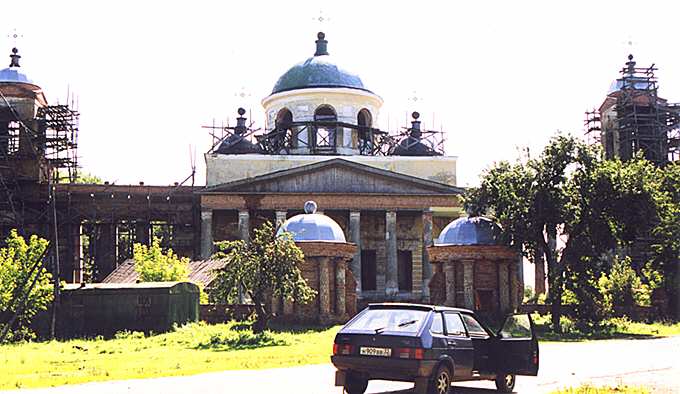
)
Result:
{"points": [[375, 351]]}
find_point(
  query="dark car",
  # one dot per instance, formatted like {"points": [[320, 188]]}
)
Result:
{"points": [[432, 346]]}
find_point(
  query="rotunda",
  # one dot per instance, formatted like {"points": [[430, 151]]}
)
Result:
{"points": [[319, 90], [325, 269], [473, 268]]}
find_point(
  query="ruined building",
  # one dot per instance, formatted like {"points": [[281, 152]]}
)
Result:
{"points": [[91, 227], [634, 118], [390, 192]]}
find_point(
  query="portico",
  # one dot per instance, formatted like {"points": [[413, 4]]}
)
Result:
{"points": [[387, 215]]}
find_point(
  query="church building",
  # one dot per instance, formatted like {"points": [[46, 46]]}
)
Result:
{"points": [[390, 194]]}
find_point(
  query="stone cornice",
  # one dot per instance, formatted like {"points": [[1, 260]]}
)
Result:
{"points": [[327, 249], [445, 253]]}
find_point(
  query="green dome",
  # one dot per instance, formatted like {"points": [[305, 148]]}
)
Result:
{"points": [[319, 71]]}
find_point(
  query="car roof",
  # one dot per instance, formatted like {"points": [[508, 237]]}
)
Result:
{"points": [[425, 307]]}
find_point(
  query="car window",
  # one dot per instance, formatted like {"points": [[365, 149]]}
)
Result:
{"points": [[473, 327], [454, 326], [437, 326], [392, 319], [516, 326]]}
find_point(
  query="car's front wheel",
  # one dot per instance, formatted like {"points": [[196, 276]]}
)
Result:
{"points": [[505, 383], [441, 381], [355, 384]]}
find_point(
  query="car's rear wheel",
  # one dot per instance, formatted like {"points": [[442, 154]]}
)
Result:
{"points": [[441, 381], [355, 384], [505, 382]]}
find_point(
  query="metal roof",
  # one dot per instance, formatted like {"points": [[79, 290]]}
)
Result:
{"points": [[312, 227], [319, 71], [470, 231], [200, 271], [12, 75]]}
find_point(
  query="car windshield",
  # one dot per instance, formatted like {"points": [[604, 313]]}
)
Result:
{"points": [[399, 320]]}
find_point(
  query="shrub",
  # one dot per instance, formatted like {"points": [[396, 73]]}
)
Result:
{"points": [[17, 260], [623, 288], [154, 265]]}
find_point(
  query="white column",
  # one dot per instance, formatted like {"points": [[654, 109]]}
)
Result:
{"points": [[504, 285], [427, 241], [280, 218], [449, 275], [206, 234], [244, 225], [355, 237], [324, 287], [468, 284], [391, 283], [340, 300]]}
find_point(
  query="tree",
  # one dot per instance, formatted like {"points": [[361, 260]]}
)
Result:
{"points": [[25, 285], [153, 265], [666, 247], [265, 267], [593, 204]]}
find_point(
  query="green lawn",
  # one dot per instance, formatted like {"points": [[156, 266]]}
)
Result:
{"points": [[192, 349], [616, 328], [198, 348]]}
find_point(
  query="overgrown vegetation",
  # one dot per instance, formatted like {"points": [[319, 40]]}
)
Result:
{"points": [[25, 285], [265, 267], [599, 209], [612, 328], [191, 349], [154, 265]]}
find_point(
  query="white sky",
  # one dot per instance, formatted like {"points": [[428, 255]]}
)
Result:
{"points": [[496, 75]]}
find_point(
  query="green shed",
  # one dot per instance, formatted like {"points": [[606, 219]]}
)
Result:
{"points": [[106, 308]]}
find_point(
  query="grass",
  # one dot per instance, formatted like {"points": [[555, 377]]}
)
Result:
{"points": [[616, 328], [587, 389], [192, 349]]}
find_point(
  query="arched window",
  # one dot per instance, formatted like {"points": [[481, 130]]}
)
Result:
{"points": [[280, 138], [324, 137], [364, 121]]}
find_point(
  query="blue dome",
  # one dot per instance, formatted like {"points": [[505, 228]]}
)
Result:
{"points": [[470, 231], [12, 75], [313, 227], [319, 71]]}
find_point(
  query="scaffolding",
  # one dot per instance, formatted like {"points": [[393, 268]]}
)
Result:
{"points": [[60, 141], [642, 121], [319, 137]]}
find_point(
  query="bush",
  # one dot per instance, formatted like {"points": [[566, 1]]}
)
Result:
{"points": [[153, 265], [17, 260], [623, 288]]}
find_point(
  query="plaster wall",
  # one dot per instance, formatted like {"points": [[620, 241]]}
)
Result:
{"points": [[228, 168]]}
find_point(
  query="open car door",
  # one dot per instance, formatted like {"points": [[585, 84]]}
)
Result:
{"points": [[516, 346]]}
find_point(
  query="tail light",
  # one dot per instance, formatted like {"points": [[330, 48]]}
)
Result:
{"points": [[535, 358], [410, 353], [340, 349]]}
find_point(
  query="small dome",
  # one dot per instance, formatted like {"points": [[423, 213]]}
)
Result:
{"points": [[319, 71], [470, 231], [411, 146], [632, 82], [236, 144], [312, 227], [12, 74]]}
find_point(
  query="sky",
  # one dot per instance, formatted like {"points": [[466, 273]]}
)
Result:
{"points": [[495, 76]]}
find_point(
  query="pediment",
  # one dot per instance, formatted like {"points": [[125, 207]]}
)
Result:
{"points": [[335, 176]]}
